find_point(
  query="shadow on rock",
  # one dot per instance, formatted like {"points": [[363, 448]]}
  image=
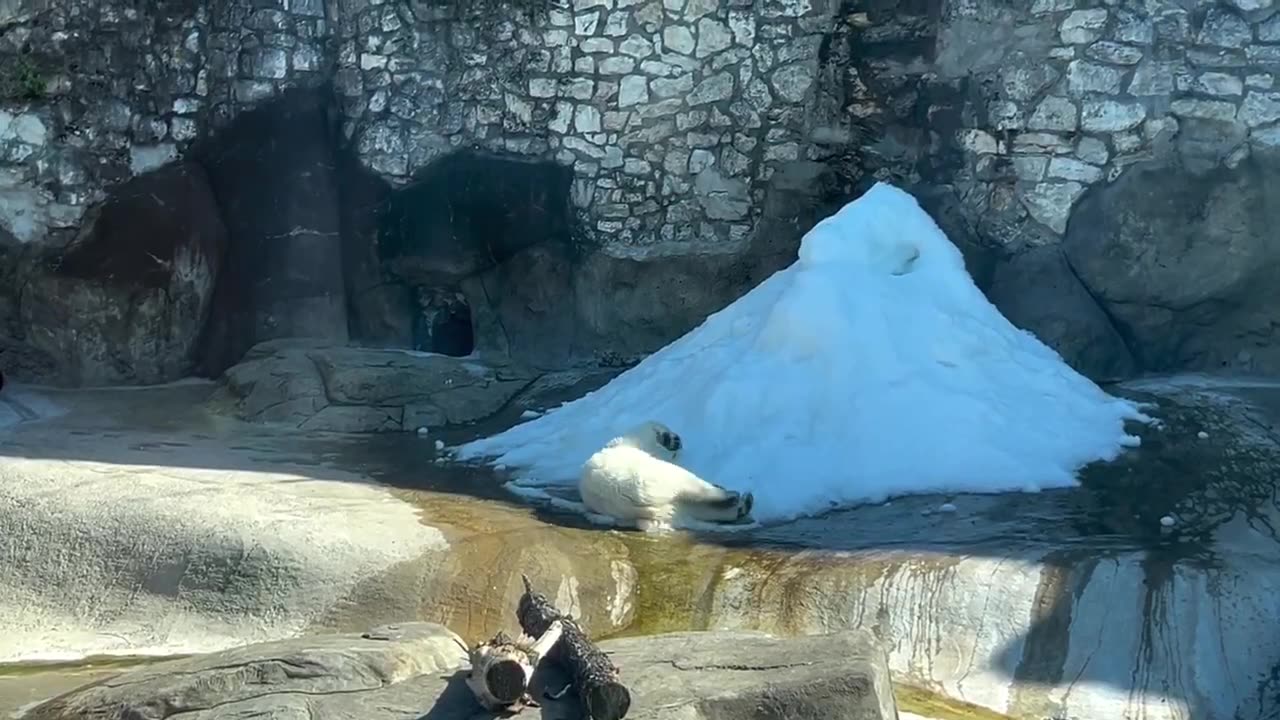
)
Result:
{"points": [[456, 701]]}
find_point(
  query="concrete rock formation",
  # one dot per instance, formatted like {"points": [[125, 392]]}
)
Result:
{"points": [[1038, 291], [407, 671], [1132, 242], [126, 301], [315, 387], [135, 522]]}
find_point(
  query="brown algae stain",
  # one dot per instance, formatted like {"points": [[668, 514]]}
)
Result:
{"points": [[934, 706], [84, 666], [676, 578]]}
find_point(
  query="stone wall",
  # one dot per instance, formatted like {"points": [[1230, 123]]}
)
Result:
{"points": [[1024, 108], [684, 121], [673, 113], [94, 92], [1025, 113]]}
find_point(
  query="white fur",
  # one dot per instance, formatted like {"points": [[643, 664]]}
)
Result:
{"points": [[633, 480], [644, 437]]}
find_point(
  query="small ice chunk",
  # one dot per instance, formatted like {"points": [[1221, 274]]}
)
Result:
{"points": [[422, 432], [1202, 435], [1167, 521], [439, 445], [946, 508]]}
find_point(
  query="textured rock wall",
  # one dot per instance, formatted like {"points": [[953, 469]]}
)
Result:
{"points": [[1025, 107], [695, 129], [672, 113], [1026, 112], [94, 92]]}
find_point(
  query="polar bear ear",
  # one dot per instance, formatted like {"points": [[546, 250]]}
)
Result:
{"points": [[669, 440]]}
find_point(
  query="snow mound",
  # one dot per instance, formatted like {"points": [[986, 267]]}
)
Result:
{"points": [[871, 367]]}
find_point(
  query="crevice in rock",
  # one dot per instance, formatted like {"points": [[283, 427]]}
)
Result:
{"points": [[753, 667], [1126, 338], [443, 323]]}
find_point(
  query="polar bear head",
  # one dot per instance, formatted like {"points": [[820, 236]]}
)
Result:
{"points": [[652, 437]]}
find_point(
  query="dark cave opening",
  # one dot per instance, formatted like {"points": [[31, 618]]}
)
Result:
{"points": [[484, 242], [442, 323]]}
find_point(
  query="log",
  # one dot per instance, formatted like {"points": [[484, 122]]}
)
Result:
{"points": [[600, 694], [502, 668]]}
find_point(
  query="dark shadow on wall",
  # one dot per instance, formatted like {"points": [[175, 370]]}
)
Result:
{"points": [[272, 171], [491, 241]]}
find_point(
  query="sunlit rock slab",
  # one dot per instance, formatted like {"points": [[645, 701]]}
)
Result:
{"points": [[409, 671], [136, 522]]}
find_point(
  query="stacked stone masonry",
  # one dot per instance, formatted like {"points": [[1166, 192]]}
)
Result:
{"points": [[96, 92], [1021, 108], [115, 91], [675, 114], [1117, 87]]}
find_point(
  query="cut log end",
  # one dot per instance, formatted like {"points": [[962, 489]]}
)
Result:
{"points": [[505, 682], [607, 701], [502, 668]]}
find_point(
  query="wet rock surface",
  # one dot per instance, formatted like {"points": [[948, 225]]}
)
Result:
{"points": [[1089, 602], [136, 522], [407, 671]]}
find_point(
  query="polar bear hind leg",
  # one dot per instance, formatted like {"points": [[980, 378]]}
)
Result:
{"points": [[728, 506]]}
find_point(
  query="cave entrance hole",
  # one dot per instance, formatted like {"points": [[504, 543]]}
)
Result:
{"points": [[484, 243]]}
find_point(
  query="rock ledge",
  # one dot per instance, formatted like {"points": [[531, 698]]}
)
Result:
{"points": [[318, 387], [416, 669]]}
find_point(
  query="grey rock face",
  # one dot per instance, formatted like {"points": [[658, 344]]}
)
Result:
{"points": [[1183, 262], [403, 671], [1037, 291], [722, 197], [338, 389], [127, 300]]}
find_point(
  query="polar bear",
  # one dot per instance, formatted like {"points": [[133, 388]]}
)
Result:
{"points": [[634, 480]]}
